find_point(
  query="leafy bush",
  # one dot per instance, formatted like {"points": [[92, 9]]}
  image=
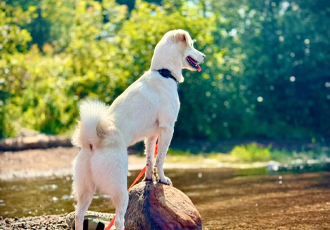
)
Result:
{"points": [[251, 152]]}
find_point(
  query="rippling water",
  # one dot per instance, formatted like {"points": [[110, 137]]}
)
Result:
{"points": [[215, 192], [34, 197]]}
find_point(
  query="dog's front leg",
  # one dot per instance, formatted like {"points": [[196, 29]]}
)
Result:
{"points": [[150, 145], [165, 137]]}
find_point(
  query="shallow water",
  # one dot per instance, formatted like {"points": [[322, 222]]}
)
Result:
{"points": [[34, 197], [215, 192]]}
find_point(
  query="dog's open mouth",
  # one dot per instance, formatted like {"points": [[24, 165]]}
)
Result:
{"points": [[193, 63]]}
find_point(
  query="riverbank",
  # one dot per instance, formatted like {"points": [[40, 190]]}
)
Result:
{"points": [[38, 222], [58, 162], [53, 155], [56, 222]]}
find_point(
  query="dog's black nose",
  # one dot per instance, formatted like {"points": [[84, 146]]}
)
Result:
{"points": [[204, 57]]}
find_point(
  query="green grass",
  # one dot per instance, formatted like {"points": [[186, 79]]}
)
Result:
{"points": [[178, 152], [252, 152]]}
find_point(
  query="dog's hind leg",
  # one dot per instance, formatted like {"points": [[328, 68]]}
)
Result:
{"points": [[120, 200], [110, 167], [150, 145], [83, 186]]}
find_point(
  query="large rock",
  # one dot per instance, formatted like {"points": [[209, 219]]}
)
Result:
{"points": [[158, 206]]}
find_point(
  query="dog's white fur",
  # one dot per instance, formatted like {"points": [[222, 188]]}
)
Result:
{"points": [[147, 110]]}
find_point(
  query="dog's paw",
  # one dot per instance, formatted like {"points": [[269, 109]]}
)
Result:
{"points": [[151, 178], [165, 180]]}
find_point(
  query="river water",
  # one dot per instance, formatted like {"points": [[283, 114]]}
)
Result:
{"points": [[225, 198]]}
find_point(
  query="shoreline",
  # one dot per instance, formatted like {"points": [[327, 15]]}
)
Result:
{"points": [[35, 222], [57, 162], [60, 221]]}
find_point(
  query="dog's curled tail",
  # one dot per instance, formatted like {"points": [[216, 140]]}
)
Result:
{"points": [[90, 129]]}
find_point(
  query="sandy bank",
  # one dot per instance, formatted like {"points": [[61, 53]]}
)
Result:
{"points": [[58, 162]]}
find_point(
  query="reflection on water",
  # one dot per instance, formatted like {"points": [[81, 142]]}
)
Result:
{"points": [[209, 189], [35, 197]]}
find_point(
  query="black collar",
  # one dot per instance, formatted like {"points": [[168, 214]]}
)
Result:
{"points": [[167, 74]]}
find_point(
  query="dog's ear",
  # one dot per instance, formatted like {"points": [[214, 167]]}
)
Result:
{"points": [[182, 36]]}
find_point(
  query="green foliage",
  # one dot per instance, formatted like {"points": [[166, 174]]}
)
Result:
{"points": [[266, 74], [286, 65], [283, 156], [251, 152], [13, 44], [178, 152]]}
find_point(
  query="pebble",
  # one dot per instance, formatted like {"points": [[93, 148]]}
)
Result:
{"points": [[8, 221]]}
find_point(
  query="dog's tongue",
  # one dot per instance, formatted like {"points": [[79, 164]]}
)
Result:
{"points": [[199, 68], [195, 62]]}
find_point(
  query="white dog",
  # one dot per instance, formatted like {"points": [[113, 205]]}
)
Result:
{"points": [[147, 110]]}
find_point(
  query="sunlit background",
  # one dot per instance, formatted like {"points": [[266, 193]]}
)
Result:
{"points": [[267, 73]]}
